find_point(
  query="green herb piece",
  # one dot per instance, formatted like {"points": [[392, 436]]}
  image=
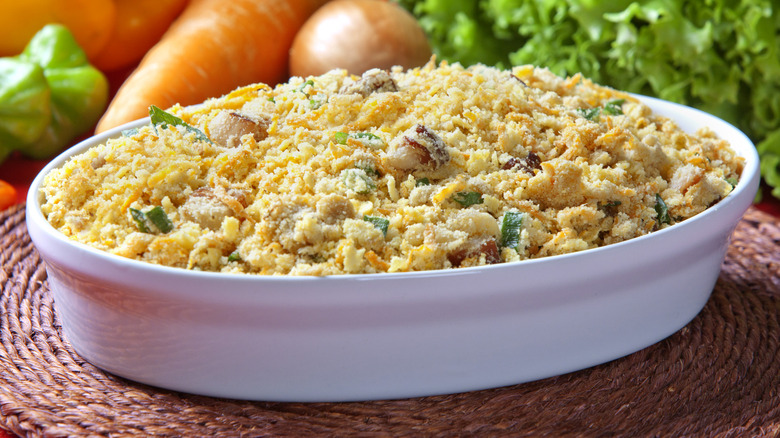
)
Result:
{"points": [[358, 181], [662, 210], [614, 107], [341, 137], [160, 220], [156, 216], [422, 182], [511, 226], [234, 256], [303, 86], [140, 220], [612, 204], [162, 119], [467, 199], [591, 114], [732, 181], [371, 140], [379, 222], [317, 101], [129, 132], [367, 167]]}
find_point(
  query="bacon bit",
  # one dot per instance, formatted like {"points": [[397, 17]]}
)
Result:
{"points": [[418, 147], [372, 81], [527, 164], [476, 247]]}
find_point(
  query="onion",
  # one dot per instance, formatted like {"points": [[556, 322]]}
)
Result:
{"points": [[358, 35]]}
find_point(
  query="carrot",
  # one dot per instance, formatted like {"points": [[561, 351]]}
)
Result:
{"points": [[213, 47], [7, 195]]}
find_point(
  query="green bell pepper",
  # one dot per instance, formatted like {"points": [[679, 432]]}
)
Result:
{"points": [[49, 94]]}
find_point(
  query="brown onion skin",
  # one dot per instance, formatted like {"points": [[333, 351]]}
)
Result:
{"points": [[358, 35]]}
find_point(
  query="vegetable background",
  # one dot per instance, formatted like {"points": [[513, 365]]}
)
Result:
{"points": [[717, 55]]}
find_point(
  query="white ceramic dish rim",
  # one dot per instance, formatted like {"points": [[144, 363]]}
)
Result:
{"points": [[440, 298], [747, 182]]}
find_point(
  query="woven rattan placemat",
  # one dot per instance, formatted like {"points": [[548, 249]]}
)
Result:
{"points": [[718, 376]]}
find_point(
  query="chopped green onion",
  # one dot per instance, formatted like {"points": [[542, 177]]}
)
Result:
{"points": [[614, 107], [467, 198], [732, 181], [155, 215], [234, 256], [341, 137], [379, 222], [368, 168], [317, 101], [662, 210], [162, 119], [140, 220], [591, 114], [271, 99], [303, 86], [160, 220], [422, 182], [371, 140], [129, 132], [511, 226], [358, 181]]}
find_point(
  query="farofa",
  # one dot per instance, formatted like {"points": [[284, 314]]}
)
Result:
{"points": [[396, 171]]}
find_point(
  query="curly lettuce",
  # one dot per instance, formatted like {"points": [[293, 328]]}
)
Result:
{"points": [[721, 56]]}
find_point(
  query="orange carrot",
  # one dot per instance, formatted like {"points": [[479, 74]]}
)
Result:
{"points": [[213, 47], [7, 195]]}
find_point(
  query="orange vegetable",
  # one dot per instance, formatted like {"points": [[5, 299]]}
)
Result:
{"points": [[212, 48], [7, 195], [90, 22], [139, 25]]}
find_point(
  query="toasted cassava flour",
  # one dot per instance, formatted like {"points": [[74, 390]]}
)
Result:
{"points": [[432, 168]]}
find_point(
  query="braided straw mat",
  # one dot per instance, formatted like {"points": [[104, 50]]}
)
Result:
{"points": [[718, 376]]}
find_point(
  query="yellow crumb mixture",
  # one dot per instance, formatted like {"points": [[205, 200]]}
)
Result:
{"points": [[392, 171]]}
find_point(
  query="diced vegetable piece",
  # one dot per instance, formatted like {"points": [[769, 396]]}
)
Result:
{"points": [[358, 181], [371, 140], [368, 139], [234, 256], [140, 220], [422, 182], [156, 216], [467, 199], [662, 210], [160, 220], [379, 222], [511, 226], [591, 114], [162, 119], [614, 107], [341, 137]]}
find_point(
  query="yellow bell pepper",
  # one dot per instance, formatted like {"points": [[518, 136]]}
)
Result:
{"points": [[113, 33], [90, 22]]}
